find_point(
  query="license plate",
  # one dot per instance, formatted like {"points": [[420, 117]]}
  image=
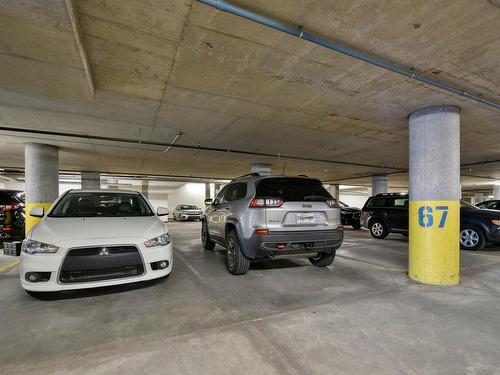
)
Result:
{"points": [[305, 218]]}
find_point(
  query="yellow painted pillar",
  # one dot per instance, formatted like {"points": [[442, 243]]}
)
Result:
{"points": [[42, 179], [434, 215]]}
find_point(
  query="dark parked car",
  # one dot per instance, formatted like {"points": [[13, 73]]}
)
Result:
{"points": [[490, 205], [11, 215], [350, 215], [388, 213]]}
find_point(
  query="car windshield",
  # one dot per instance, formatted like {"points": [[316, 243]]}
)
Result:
{"points": [[188, 207], [468, 205], [292, 189], [342, 204], [97, 204]]}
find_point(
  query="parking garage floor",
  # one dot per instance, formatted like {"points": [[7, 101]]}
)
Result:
{"points": [[361, 315]]}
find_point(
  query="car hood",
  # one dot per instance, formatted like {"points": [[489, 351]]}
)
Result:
{"points": [[192, 211], [57, 230]]}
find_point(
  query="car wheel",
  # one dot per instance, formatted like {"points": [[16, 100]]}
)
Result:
{"points": [[472, 238], [356, 225], [207, 243], [237, 263], [323, 259], [378, 229]]}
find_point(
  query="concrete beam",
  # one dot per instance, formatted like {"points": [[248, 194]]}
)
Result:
{"points": [[73, 15]]}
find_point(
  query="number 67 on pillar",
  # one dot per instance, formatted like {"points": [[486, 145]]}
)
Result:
{"points": [[426, 215]]}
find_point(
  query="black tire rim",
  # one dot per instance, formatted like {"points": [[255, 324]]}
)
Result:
{"points": [[230, 253]]}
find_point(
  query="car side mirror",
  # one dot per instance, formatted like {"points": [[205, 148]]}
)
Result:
{"points": [[209, 201], [37, 212], [162, 211]]}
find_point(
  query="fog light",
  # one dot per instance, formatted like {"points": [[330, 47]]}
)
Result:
{"points": [[33, 277], [160, 265]]}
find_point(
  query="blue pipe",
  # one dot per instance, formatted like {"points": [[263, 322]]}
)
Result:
{"points": [[226, 7]]}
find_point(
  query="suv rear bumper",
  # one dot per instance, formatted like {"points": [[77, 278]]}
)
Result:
{"points": [[295, 242]]}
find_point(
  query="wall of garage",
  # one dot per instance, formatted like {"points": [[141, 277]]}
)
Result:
{"points": [[190, 193]]}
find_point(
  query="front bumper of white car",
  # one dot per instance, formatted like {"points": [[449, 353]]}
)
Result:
{"points": [[96, 263]]}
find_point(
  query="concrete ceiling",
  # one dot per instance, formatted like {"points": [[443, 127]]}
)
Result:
{"points": [[157, 67]]}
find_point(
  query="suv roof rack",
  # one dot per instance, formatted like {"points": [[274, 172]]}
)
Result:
{"points": [[254, 174]]}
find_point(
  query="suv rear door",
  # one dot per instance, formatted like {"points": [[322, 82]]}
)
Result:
{"points": [[397, 213], [304, 204]]}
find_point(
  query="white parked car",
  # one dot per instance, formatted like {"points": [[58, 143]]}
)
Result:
{"points": [[95, 238]]}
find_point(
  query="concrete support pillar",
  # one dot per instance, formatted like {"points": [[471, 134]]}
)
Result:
{"points": [[261, 168], [496, 190], [337, 192], [91, 180], [434, 215], [42, 178], [217, 188], [145, 188], [379, 184], [207, 191]]}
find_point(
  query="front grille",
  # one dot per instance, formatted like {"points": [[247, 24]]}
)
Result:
{"points": [[101, 274], [356, 215], [101, 263]]}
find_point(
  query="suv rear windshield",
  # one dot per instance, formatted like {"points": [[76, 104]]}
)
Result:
{"points": [[292, 189], [101, 205]]}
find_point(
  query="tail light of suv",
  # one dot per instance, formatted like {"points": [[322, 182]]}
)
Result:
{"points": [[266, 202], [332, 203]]}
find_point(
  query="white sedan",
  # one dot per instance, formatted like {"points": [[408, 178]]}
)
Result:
{"points": [[95, 238]]}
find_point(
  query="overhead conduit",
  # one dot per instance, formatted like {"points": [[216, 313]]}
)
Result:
{"points": [[227, 7]]}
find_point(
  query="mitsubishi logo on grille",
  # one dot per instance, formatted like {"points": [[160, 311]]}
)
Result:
{"points": [[104, 251]]}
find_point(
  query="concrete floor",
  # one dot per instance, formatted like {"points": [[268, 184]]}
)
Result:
{"points": [[360, 316]]}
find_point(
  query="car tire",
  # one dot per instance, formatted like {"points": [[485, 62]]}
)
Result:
{"points": [[472, 237], [207, 243], [237, 263], [356, 225], [378, 229], [323, 259]]}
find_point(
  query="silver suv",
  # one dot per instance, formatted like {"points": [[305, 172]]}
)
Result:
{"points": [[267, 217]]}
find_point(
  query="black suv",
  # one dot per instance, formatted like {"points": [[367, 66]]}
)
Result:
{"points": [[388, 213], [350, 215], [11, 215]]}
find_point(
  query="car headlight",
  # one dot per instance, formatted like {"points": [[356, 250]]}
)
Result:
{"points": [[35, 247], [496, 222], [162, 240]]}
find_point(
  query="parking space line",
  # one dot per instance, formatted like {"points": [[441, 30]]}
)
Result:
{"points": [[374, 265], [8, 266]]}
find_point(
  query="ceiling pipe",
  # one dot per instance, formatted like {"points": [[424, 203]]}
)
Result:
{"points": [[299, 33], [189, 147]]}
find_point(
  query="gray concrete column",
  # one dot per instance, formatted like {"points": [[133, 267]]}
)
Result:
{"points": [[91, 180], [337, 192], [42, 178], [434, 215], [496, 190], [145, 188], [261, 168], [379, 184], [207, 190]]}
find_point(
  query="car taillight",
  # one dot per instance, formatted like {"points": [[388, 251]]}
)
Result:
{"points": [[341, 228], [261, 231], [266, 202], [332, 203]]}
